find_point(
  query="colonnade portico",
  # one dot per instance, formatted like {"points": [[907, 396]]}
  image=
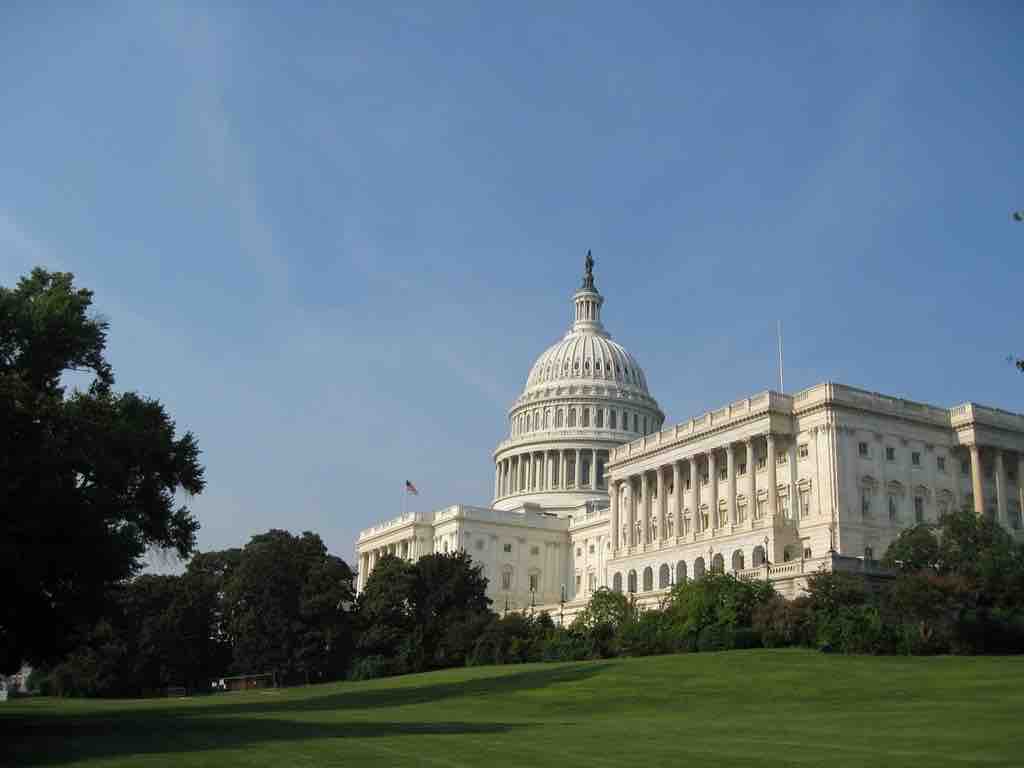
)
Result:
{"points": [[550, 470], [703, 498], [999, 461], [406, 548]]}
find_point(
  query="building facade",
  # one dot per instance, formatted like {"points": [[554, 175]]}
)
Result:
{"points": [[592, 490]]}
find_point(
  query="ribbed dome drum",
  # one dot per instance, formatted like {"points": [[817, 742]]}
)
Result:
{"points": [[585, 394]]}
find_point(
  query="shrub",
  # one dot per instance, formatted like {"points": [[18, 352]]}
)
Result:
{"points": [[370, 668], [648, 634], [780, 622]]}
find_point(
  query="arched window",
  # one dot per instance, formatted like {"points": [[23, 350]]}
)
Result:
{"points": [[680, 572], [718, 564], [558, 418], [586, 417], [648, 579], [664, 576], [698, 568], [536, 420], [737, 560], [547, 415], [631, 582], [572, 417], [611, 420], [636, 423], [599, 418], [617, 582], [758, 556]]}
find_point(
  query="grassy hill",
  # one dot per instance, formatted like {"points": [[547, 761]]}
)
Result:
{"points": [[743, 708]]}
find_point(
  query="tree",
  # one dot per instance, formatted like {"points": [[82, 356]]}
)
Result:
{"points": [[385, 612], [421, 616], [285, 603], [87, 479]]}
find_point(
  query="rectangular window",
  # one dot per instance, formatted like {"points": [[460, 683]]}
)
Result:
{"points": [[890, 453], [803, 451], [636, 423], [591, 549], [918, 509], [805, 503], [741, 513], [915, 458], [782, 458], [578, 580], [865, 503], [761, 509], [940, 462], [506, 580], [586, 417], [592, 582], [534, 582], [862, 449], [599, 419], [894, 513], [534, 551], [507, 548]]}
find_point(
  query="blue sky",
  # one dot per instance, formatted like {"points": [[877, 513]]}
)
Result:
{"points": [[333, 241]]}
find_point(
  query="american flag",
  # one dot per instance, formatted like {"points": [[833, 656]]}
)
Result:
{"points": [[410, 488]]}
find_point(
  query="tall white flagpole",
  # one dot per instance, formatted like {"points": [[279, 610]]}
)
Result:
{"points": [[782, 388]]}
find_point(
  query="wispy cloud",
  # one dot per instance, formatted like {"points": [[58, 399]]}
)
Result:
{"points": [[204, 44]]}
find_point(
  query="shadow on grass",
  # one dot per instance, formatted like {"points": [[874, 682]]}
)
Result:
{"points": [[60, 741], [56, 737], [410, 694]]}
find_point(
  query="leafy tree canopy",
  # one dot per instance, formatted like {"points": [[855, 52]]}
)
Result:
{"points": [[88, 480]]}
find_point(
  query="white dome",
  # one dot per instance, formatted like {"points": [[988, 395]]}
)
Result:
{"points": [[587, 357], [584, 396]]}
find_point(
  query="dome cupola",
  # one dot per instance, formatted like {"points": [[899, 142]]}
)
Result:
{"points": [[584, 395]]}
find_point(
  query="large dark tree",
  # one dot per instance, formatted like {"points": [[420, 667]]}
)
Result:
{"points": [[88, 479], [286, 603], [424, 615]]}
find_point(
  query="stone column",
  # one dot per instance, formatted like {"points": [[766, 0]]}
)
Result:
{"points": [[1001, 489], [712, 489], [593, 469], [773, 484], [794, 496], [613, 507], [677, 496], [645, 509], [497, 479], [549, 470], [979, 499], [1020, 483], [563, 482], [694, 497], [531, 472], [751, 481], [730, 465], [578, 471], [660, 486]]}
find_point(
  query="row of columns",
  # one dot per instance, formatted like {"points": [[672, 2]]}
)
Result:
{"points": [[536, 471], [999, 472], [369, 558], [632, 515]]}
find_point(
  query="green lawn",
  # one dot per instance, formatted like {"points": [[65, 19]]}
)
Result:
{"points": [[742, 708]]}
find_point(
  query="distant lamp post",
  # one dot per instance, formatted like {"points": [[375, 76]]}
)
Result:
{"points": [[533, 599], [506, 607], [561, 607]]}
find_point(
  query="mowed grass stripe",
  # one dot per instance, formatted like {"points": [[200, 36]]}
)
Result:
{"points": [[769, 708]]}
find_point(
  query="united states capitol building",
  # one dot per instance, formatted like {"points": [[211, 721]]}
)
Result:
{"points": [[592, 488]]}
